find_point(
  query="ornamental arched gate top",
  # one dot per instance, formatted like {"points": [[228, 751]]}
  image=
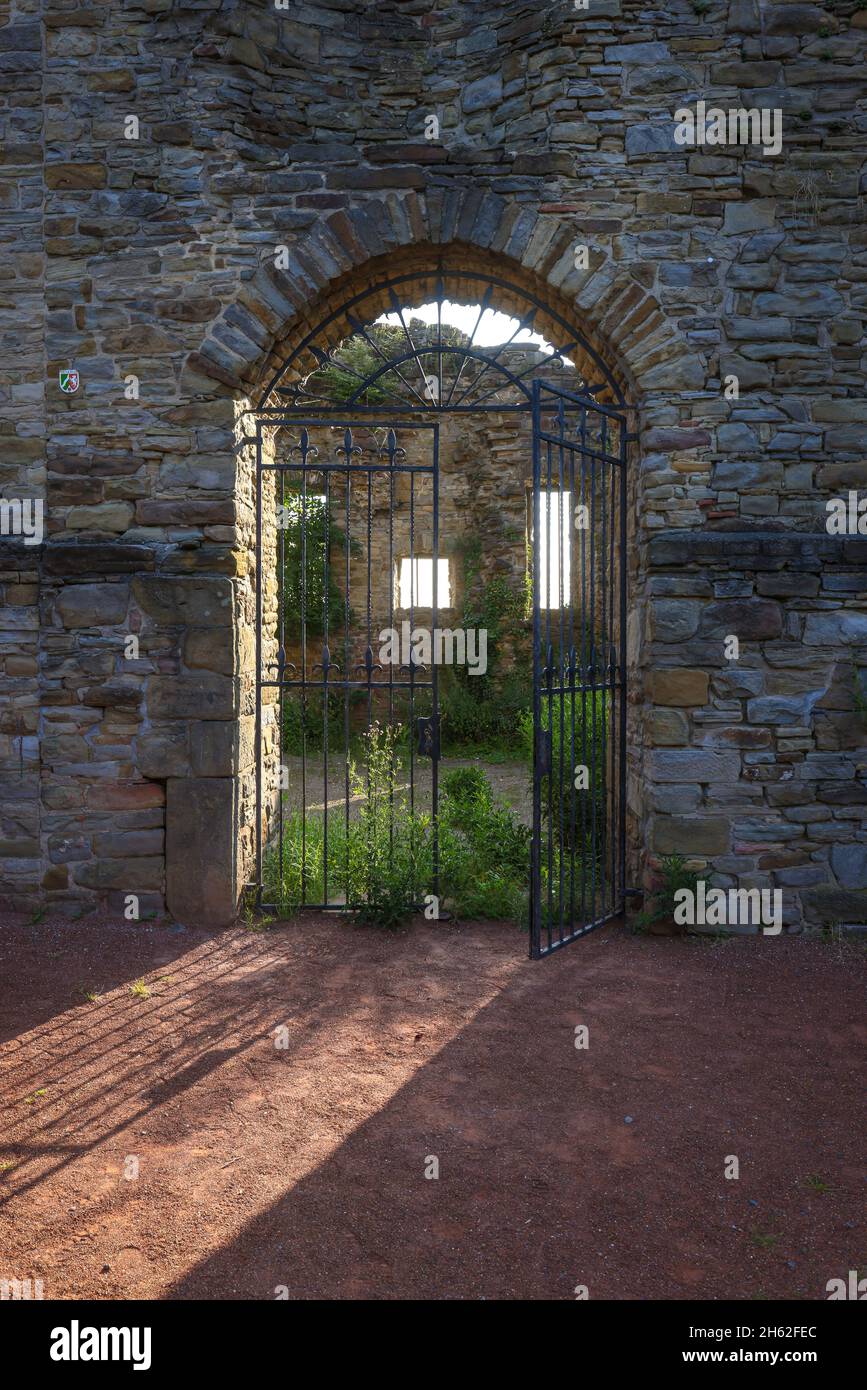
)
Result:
{"points": [[368, 377], [433, 366]]}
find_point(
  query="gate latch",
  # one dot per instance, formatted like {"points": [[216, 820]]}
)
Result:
{"points": [[543, 752], [428, 731]]}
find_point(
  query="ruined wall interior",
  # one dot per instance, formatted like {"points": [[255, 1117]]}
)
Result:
{"points": [[143, 256]]}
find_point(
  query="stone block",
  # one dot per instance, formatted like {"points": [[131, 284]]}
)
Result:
{"points": [[777, 709], [693, 765], [668, 728], [750, 620], [672, 800], [105, 516], [754, 215], [674, 620], [649, 138], [93, 605], [735, 474], [126, 874], [849, 863], [96, 557], [678, 686], [834, 906], [126, 844], [845, 627], [211, 649], [691, 835], [198, 601], [163, 753], [201, 848], [222, 749], [203, 696], [119, 693], [764, 830], [484, 93]]}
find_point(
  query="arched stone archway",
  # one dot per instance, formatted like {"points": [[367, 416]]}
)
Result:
{"points": [[239, 359], [622, 319]]}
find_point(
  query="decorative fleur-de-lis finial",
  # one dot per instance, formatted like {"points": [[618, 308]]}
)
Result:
{"points": [[304, 448]]}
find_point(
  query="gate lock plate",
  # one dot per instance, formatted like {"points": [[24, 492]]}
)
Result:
{"points": [[428, 731], [543, 752]]}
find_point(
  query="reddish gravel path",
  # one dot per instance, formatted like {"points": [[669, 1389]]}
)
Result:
{"points": [[304, 1166]]}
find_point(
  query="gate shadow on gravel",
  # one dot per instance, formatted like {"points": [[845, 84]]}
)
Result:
{"points": [[559, 1167]]}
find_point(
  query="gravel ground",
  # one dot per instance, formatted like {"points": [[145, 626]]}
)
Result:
{"points": [[304, 1165]]}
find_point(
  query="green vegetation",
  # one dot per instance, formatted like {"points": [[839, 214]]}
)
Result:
{"points": [[578, 814], [673, 876], [360, 357], [306, 569], [381, 865], [480, 713], [818, 1184]]}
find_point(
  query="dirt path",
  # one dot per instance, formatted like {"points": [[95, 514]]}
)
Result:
{"points": [[304, 1166], [511, 783]]}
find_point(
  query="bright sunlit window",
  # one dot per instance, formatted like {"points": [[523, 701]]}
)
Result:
{"points": [[415, 583], [555, 574]]}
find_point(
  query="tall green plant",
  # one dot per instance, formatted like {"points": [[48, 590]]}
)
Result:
{"points": [[482, 711], [580, 735], [308, 571], [382, 863]]}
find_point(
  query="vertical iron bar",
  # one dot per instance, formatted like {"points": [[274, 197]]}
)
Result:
{"points": [[346, 673], [585, 654], [603, 681], [281, 663], [572, 796], [535, 843], [259, 826], [561, 585], [549, 659], [326, 661], [593, 659], [434, 667], [392, 579], [622, 692], [611, 797], [372, 809], [303, 675], [412, 579]]}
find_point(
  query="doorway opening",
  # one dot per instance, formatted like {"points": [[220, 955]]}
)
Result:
{"points": [[441, 612]]}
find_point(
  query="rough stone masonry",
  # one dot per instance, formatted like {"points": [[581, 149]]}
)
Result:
{"points": [[726, 286]]}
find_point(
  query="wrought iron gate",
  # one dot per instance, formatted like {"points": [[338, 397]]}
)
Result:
{"points": [[347, 731], [579, 666]]}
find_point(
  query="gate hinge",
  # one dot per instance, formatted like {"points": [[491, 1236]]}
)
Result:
{"points": [[428, 731]]}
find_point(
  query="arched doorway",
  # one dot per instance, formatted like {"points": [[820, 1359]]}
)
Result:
{"points": [[360, 432]]}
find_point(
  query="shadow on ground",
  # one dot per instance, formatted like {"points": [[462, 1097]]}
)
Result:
{"points": [[302, 1166]]}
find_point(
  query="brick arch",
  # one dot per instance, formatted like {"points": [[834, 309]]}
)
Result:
{"points": [[616, 314]]}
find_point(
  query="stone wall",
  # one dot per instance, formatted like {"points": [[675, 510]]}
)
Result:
{"points": [[148, 263]]}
